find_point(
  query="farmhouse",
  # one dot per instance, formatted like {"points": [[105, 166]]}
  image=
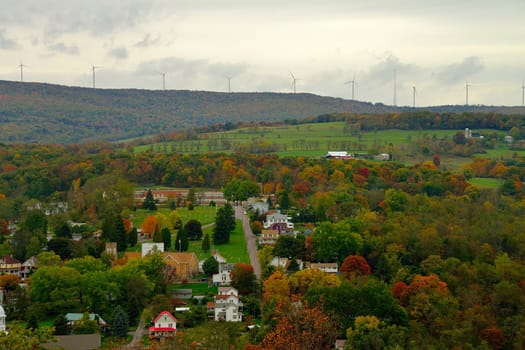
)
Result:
{"points": [[184, 264], [164, 325], [226, 305], [278, 221], [339, 155]]}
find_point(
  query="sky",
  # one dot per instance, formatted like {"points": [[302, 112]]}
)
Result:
{"points": [[387, 47]]}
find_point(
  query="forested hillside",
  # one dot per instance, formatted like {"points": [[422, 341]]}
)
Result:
{"points": [[44, 113]]}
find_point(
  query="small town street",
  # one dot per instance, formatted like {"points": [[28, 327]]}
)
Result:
{"points": [[250, 240]]}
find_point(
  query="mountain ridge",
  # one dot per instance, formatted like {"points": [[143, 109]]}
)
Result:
{"points": [[49, 113]]}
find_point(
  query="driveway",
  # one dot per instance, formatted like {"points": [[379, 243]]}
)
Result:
{"points": [[250, 240]]}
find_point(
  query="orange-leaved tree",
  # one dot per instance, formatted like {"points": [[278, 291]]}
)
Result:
{"points": [[300, 327]]}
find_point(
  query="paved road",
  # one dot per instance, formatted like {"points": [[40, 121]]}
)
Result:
{"points": [[250, 240], [137, 335]]}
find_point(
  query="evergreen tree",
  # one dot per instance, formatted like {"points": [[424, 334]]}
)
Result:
{"points": [[133, 237], [210, 266], [193, 229], [166, 238], [206, 243], [113, 230], [61, 326], [149, 202], [224, 225], [120, 234], [63, 230], [181, 243], [119, 322]]}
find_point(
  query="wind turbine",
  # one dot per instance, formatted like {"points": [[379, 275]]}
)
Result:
{"points": [[353, 86], [229, 83], [395, 87], [522, 93], [294, 82], [163, 80], [467, 85], [413, 97], [21, 65], [94, 68]]}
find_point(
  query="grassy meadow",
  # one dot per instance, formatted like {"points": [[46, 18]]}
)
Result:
{"points": [[234, 252], [314, 140]]}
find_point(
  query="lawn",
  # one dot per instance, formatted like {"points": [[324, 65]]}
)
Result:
{"points": [[235, 251], [483, 182], [204, 214]]}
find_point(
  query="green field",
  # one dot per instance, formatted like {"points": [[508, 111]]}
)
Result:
{"points": [[483, 182], [314, 140], [204, 214]]}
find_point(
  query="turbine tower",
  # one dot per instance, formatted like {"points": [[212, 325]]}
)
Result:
{"points": [[353, 86], [395, 88], [413, 97], [94, 68], [163, 80], [21, 65], [294, 82], [229, 83], [467, 85]]}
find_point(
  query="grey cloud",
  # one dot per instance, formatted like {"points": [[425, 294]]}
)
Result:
{"points": [[383, 72], [120, 53], [459, 72], [63, 48], [147, 41], [6, 43]]}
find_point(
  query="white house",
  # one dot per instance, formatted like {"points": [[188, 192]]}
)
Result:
{"points": [[223, 278], [277, 219], [164, 325], [227, 306]]}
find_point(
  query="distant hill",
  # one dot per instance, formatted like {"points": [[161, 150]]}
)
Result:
{"points": [[46, 113]]}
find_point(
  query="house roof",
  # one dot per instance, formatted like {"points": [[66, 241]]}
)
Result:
{"points": [[8, 259], [227, 290], [73, 317], [31, 262], [164, 313], [180, 258]]}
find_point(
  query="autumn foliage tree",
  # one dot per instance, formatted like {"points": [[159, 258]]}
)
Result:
{"points": [[355, 265], [149, 226], [300, 327], [243, 278]]}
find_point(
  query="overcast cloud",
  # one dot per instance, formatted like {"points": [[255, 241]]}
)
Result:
{"points": [[437, 46]]}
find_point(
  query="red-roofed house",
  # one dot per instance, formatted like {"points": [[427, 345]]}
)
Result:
{"points": [[10, 265], [164, 325]]}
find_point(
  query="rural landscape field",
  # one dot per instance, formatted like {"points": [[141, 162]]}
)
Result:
{"points": [[235, 175]]}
